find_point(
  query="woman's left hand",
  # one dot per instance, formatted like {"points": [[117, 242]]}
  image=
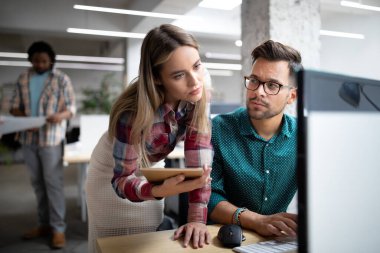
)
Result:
{"points": [[195, 230]]}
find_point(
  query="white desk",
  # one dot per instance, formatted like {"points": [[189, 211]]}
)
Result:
{"points": [[178, 154], [75, 155]]}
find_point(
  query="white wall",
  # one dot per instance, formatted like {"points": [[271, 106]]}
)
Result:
{"points": [[352, 56], [226, 89]]}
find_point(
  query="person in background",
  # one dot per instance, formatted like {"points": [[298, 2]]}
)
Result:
{"points": [[44, 91], [165, 104], [254, 167], [1, 122]]}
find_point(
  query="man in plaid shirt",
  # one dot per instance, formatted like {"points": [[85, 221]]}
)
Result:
{"points": [[44, 91]]}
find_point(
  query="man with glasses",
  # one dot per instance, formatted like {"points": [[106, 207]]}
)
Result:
{"points": [[254, 167]]}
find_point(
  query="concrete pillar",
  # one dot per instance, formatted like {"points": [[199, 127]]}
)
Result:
{"points": [[292, 22]]}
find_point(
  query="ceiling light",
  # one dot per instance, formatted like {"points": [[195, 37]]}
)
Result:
{"points": [[75, 58], [341, 34], [223, 56], [15, 63], [359, 6], [228, 66], [239, 43], [106, 33], [108, 67], [220, 72], [13, 55], [128, 12], [90, 59], [67, 65], [220, 4]]}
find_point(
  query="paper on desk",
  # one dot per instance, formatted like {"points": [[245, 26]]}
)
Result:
{"points": [[10, 124]]}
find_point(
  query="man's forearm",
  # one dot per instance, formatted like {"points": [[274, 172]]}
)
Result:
{"points": [[66, 114], [59, 116], [223, 212]]}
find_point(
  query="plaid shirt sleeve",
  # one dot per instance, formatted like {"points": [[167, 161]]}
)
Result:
{"points": [[69, 95], [15, 101], [198, 152], [125, 183]]}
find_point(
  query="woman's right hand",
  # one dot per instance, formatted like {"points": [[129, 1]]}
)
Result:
{"points": [[177, 184]]}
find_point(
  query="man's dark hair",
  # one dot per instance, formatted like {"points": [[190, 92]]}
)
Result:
{"points": [[41, 47], [275, 51]]}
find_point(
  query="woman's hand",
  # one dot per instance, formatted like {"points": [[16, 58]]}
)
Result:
{"points": [[195, 230], [177, 184]]}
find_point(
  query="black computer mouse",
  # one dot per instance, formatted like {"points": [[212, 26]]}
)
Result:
{"points": [[230, 235]]}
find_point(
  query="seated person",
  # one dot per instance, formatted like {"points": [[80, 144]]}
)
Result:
{"points": [[254, 167]]}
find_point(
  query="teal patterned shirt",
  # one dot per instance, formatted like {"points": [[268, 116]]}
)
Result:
{"points": [[249, 171]]}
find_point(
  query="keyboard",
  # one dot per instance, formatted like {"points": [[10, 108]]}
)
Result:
{"points": [[272, 246]]}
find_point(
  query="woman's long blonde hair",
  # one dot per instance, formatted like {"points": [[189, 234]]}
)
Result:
{"points": [[142, 97]]}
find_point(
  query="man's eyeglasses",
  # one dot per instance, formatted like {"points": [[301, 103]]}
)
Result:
{"points": [[270, 87]]}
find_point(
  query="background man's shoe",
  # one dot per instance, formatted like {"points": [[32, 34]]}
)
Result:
{"points": [[37, 232], [58, 240]]}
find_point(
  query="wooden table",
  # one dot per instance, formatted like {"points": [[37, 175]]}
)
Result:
{"points": [[161, 242]]}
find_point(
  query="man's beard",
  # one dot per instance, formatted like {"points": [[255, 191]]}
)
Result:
{"points": [[260, 115]]}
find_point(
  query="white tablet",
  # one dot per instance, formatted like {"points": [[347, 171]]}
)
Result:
{"points": [[160, 174]]}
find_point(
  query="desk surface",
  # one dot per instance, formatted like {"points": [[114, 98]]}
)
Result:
{"points": [[77, 158], [75, 153], [161, 242], [178, 152]]}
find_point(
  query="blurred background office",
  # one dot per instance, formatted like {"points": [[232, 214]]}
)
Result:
{"points": [[106, 62], [99, 49]]}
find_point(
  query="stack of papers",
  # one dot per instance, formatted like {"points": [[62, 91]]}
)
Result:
{"points": [[10, 124]]}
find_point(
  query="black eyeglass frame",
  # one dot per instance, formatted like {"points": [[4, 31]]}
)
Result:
{"points": [[248, 79]]}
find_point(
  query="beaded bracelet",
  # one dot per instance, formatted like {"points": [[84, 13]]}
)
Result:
{"points": [[236, 215]]}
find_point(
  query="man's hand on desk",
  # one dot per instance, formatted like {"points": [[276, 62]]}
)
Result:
{"points": [[195, 230], [279, 224]]}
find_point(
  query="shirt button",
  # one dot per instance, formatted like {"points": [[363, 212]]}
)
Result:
{"points": [[267, 171], [265, 198], [266, 145]]}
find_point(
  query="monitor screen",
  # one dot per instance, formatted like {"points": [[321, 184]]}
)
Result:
{"points": [[338, 163]]}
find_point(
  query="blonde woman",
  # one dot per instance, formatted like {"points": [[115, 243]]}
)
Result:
{"points": [[165, 104]]}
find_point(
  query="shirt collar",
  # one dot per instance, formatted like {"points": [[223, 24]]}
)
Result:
{"points": [[246, 127], [287, 129], [52, 71], [182, 109]]}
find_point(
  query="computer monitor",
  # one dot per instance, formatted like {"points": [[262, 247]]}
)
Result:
{"points": [[338, 163], [218, 108]]}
